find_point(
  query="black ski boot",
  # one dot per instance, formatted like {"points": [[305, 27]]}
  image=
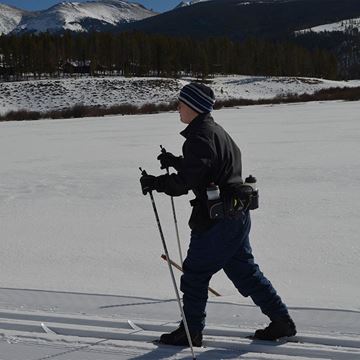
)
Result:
{"points": [[278, 328], [178, 337]]}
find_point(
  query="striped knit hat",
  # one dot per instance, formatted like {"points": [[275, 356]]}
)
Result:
{"points": [[198, 96]]}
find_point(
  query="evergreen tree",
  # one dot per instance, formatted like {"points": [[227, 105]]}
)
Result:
{"points": [[139, 54]]}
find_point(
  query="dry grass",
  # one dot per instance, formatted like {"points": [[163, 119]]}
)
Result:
{"points": [[79, 111]]}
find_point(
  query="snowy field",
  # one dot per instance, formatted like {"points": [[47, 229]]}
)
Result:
{"points": [[81, 250], [344, 26], [44, 95]]}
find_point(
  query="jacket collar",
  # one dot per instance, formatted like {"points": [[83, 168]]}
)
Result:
{"points": [[201, 118]]}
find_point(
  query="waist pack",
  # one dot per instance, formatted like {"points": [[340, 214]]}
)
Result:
{"points": [[232, 204]]}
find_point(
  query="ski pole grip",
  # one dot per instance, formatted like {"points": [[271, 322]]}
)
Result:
{"points": [[163, 151], [143, 172]]}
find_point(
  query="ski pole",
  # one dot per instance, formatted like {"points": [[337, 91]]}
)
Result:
{"points": [[174, 214], [175, 265], [143, 172]]}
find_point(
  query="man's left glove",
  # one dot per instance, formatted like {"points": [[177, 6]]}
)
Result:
{"points": [[147, 183], [169, 160]]}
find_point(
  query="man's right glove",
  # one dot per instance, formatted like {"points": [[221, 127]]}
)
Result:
{"points": [[147, 183], [169, 160]]}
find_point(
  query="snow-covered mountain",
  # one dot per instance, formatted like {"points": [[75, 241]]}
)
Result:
{"points": [[188, 3], [10, 17], [343, 26], [82, 17], [241, 19]]}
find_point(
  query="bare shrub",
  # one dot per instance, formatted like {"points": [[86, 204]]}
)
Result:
{"points": [[21, 115], [79, 110]]}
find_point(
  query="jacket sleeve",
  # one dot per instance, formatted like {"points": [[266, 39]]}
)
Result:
{"points": [[194, 171]]}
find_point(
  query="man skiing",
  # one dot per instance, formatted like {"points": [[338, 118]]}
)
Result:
{"points": [[210, 156]]}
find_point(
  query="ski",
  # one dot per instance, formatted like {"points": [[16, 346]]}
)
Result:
{"points": [[47, 329], [134, 326], [282, 340], [157, 342]]}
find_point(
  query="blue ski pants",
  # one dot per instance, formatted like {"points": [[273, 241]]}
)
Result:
{"points": [[225, 246]]}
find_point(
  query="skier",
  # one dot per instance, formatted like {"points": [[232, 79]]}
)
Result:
{"points": [[210, 156]]}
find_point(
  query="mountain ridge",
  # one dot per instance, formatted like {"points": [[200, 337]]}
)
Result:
{"points": [[74, 16], [188, 3], [236, 19], [10, 17]]}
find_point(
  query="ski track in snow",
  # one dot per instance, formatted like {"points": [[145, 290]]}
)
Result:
{"points": [[86, 337]]}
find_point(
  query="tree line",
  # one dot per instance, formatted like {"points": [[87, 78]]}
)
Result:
{"points": [[345, 45], [140, 54]]}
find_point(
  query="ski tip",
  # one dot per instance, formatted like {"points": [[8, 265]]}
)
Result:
{"points": [[135, 326], [47, 330]]}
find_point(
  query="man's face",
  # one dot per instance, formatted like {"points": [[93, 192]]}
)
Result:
{"points": [[187, 114]]}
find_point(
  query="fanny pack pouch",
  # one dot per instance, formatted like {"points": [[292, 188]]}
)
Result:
{"points": [[233, 205]]}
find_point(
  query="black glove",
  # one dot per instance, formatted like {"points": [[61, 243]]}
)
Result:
{"points": [[169, 160], [147, 183]]}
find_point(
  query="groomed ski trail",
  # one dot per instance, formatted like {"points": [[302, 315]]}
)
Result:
{"points": [[128, 339]]}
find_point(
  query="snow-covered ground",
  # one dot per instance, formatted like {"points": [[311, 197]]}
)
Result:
{"points": [[343, 25], [74, 223], [46, 95]]}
